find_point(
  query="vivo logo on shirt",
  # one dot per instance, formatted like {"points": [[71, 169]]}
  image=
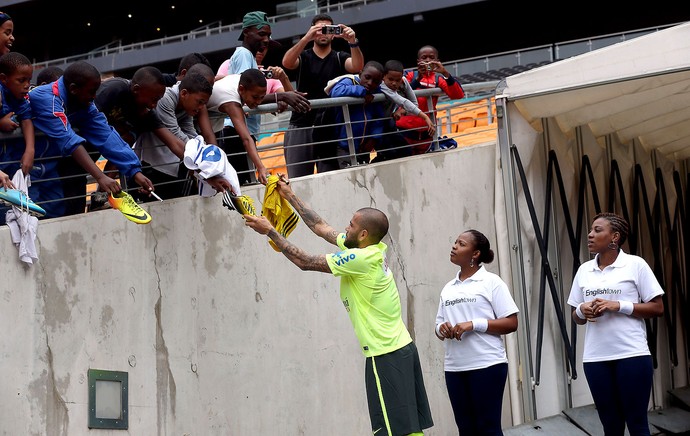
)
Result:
{"points": [[459, 301], [605, 291], [342, 260]]}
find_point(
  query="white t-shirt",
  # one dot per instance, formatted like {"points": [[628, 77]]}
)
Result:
{"points": [[615, 335], [224, 91], [241, 60], [484, 295], [210, 161]]}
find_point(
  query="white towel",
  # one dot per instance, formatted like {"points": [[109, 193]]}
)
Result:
{"points": [[23, 227], [209, 160]]}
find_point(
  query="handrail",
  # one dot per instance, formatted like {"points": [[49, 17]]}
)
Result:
{"points": [[41, 163]]}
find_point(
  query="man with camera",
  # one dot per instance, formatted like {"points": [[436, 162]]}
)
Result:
{"points": [[255, 37], [314, 68]]}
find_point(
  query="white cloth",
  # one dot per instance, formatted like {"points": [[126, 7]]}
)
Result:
{"points": [[615, 335], [483, 295], [225, 90], [209, 161], [331, 83], [23, 227]]}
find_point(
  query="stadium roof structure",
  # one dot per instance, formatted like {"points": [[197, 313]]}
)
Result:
{"points": [[637, 90]]}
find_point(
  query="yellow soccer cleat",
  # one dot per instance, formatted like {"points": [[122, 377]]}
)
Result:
{"points": [[242, 204], [124, 202]]}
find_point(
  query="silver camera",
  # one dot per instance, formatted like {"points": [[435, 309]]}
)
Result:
{"points": [[267, 73], [331, 30]]}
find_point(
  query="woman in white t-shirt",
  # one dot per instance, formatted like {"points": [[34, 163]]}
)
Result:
{"points": [[616, 291], [474, 310]]}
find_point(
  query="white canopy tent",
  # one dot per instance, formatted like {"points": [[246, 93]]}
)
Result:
{"points": [[608, 130], [637, 89]]}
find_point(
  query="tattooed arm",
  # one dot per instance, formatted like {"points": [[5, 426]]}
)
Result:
{"points": [[296, 255], [305, 261], [311, 219]]}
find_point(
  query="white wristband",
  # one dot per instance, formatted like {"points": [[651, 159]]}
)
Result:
{"points": [[626, 307], [579, 313], [480, 324], [438, 329]]}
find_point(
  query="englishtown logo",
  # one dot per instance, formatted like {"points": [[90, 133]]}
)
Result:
{"points": [[460, 301], [605, 291]]}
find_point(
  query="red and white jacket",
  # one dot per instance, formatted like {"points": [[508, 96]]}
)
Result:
{"points": [[450, 86]]}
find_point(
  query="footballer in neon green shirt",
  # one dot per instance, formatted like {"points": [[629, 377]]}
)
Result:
{"points": [[396, 396], [370, 296]]}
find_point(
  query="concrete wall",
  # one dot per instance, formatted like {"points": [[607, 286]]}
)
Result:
{"points": [[219, 334]]}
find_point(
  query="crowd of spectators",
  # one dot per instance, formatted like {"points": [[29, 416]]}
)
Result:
{"points": [[129, 133]]}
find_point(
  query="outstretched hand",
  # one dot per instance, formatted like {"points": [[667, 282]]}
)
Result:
{"points": [[219, 183], [297, 100], [260, 224], [283, 185], [144, 182], [109, 185], [262, 174], [5, 181]]}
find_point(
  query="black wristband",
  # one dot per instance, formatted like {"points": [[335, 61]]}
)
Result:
{"points": [[354, 44]]}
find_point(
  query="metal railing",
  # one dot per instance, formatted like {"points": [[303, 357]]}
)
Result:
{"points": [[271, 124]]}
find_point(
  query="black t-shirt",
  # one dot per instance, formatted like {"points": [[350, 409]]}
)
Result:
{"points": [[115, 99], [170, 79], [312, 76]]}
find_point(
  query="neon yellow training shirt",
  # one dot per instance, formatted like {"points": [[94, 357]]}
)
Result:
{"points": [[370, 296]]}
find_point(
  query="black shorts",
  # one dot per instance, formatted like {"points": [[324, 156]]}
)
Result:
{"points": [[397, 399]]}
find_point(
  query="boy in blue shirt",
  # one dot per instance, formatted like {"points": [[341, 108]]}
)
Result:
{"points": [[366, 119], [16, 71], [16, 152], [67, 103]]}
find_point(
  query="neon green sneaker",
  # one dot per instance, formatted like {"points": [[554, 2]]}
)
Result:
{"points": [[124, 202]]}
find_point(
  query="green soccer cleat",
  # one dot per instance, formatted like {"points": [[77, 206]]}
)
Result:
{"points": [[124, 202]]}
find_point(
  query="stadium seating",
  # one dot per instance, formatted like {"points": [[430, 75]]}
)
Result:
{"points": [[271, 152]]}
